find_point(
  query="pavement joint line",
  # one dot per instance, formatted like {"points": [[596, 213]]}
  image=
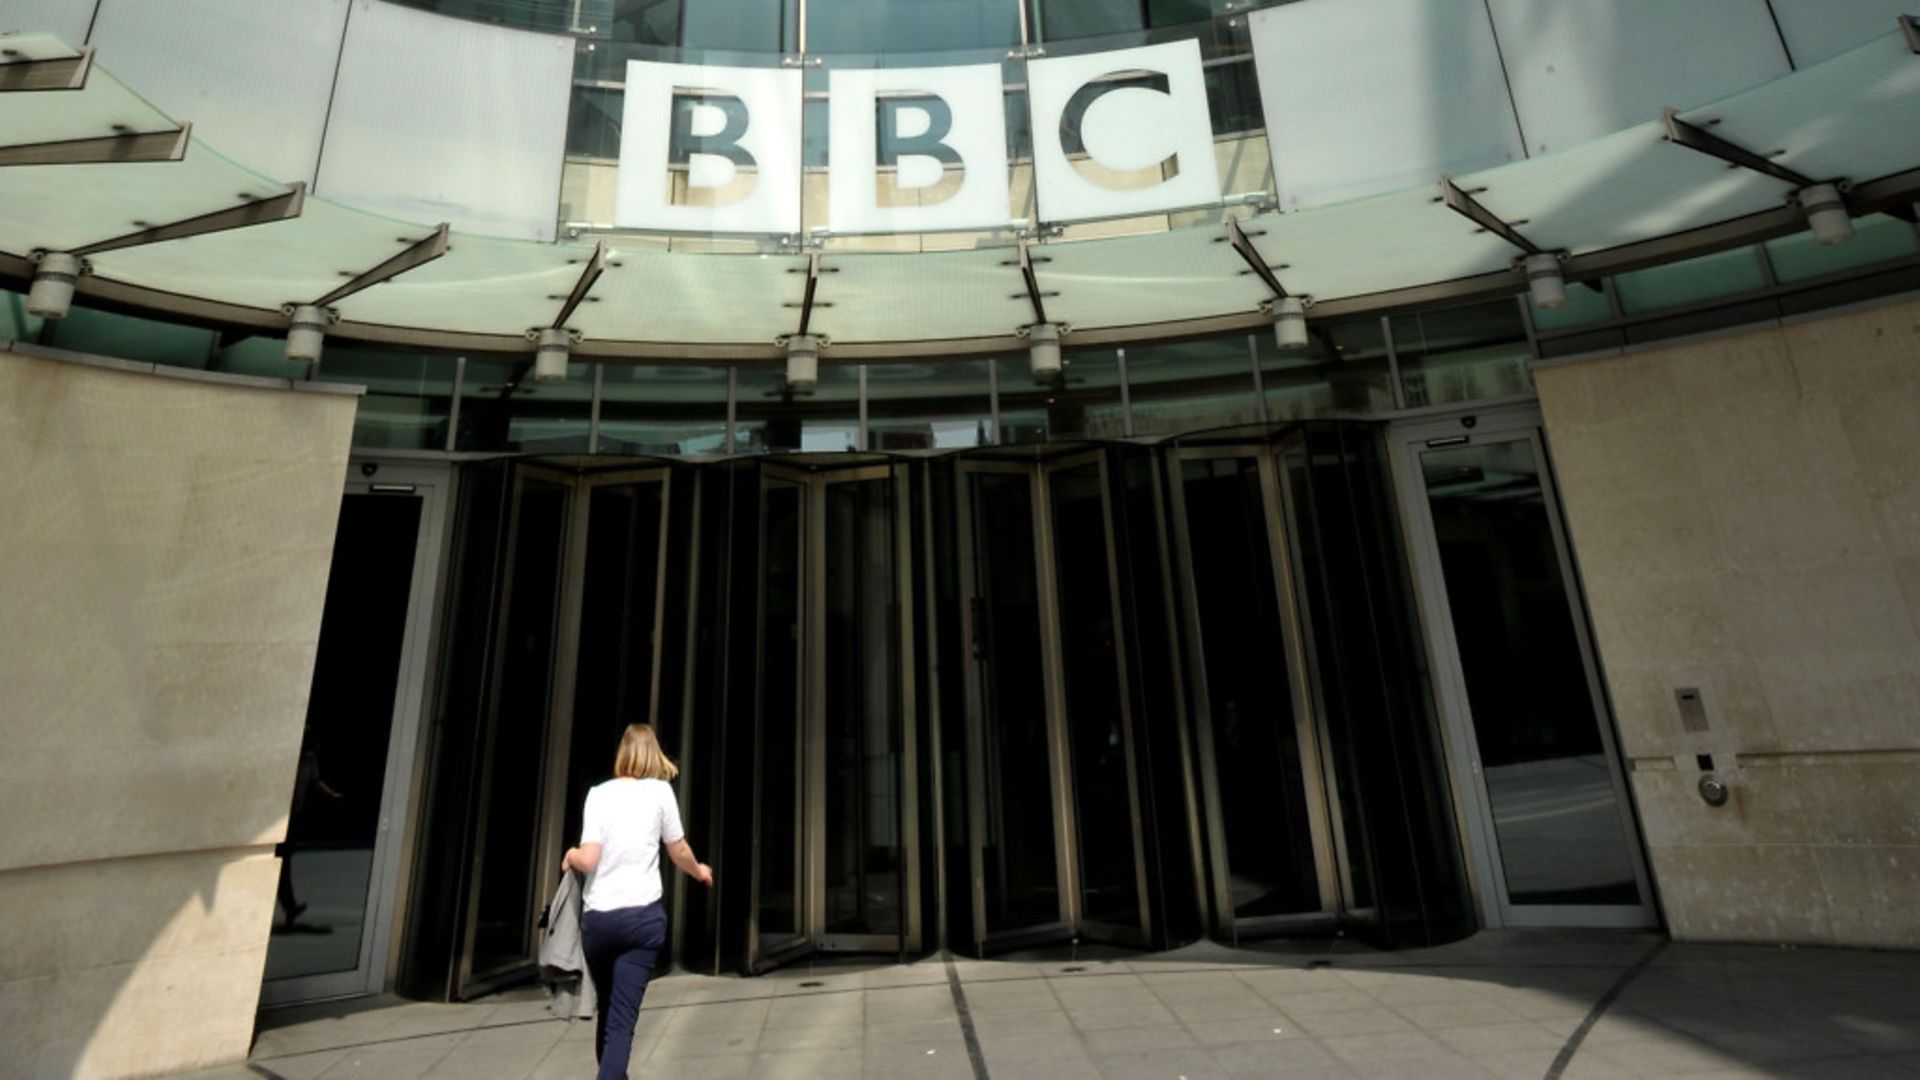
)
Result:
{"points": [[1565, 1057], [975, 1057]]}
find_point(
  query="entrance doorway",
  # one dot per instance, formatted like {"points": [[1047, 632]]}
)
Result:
{"points": [[1054, 801], [1265, 776], [341, 862], [835, 818], [1539, 780]]}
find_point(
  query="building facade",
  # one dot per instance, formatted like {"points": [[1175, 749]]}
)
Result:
{"points": [[1051, 470]]}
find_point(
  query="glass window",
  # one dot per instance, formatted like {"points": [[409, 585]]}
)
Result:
{"points": [[553, 16], [408, 395], [593, 122], [647, 22], [1342, 372], [895, 26], [1463, 354], [1708, 277], [762, 26], [106, 334], [1191, 385], [771, 416], [944, 405], [502, 407], [1061, 19], [1877, 238], [668, 409], [1081, 402], [15, 323]]}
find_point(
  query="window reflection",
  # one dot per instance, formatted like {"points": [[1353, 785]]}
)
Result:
{"points": [[887, 26]]}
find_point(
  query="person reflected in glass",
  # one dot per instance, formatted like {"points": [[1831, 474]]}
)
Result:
{"points": [[306, 778], [623, 925]]}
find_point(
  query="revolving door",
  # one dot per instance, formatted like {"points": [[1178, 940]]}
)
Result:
{"points": [[1058, 822], [835, 799]]}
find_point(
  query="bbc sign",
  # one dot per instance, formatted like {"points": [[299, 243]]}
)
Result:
{"points": [[717, 149]]}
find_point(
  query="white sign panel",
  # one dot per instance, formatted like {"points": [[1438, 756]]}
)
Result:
{"points": [[709, 149], [916, 149], [1122, 132]]}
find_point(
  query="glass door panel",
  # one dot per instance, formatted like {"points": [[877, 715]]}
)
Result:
{"points": [[861, 721], [321, 924], [619, 609], [1558, 819], [1016, 848], [506, 872], [1259, 772], [1106, 815], [780, 921]]}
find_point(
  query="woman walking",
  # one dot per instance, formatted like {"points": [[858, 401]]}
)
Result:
{"points": [[623, 926]]}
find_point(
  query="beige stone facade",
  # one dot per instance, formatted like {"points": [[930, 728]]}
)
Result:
{"points": [[164, 550], [1746, 515]]}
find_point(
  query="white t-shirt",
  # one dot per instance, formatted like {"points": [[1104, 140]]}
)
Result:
{"points": [[629, 819]]}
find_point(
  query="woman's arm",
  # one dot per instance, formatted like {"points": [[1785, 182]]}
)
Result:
{"points": [[583, 858], [682, 855]]}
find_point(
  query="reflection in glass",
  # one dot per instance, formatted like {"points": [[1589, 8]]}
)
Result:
{"points": [[664, 409], [613, 683], [1464, 354], [1089, 640], [1019, 864], [1191, 386], [1556, 816], [327, 859], [502, 407], [1343, 372], [1081, 401], [773, 416], [911, 26], [1258, 767], [940, 406], [781, 760], [516, 749], [862, 838]]}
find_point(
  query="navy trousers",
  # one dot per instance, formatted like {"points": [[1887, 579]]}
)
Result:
{"points": [[621, 946]]}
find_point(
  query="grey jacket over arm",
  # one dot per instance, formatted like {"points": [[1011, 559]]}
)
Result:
{"points": [[563, 961]]}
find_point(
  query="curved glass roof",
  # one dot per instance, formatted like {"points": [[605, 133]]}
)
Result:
{"points": [[1632, 198]]}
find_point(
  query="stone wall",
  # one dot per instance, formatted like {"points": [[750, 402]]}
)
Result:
{"points": [[1746, 515], [164, 549]]}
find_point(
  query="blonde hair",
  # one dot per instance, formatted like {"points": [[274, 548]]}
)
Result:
{"points": [[640, 756]]}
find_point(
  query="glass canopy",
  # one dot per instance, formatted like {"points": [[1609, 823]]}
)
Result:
{"points": [[1854, 117]]}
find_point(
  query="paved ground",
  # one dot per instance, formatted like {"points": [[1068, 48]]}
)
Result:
{"points": [[1521, 1005]]}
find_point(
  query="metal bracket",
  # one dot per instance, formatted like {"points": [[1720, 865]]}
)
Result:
{"points": [[1035, 296], [282, 207], [595, 266], [1243, 247], [1682, 133], [65, 73], [1910, 26], [418, 253], [806, 297], [1462, 202], [126, 148]]}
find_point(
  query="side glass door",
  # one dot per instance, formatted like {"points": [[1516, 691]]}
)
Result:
{"points": [[1022, 870], [1530, 732], [610, 655], [339, 865], [858, 704], [1263, 776], [1107, 819], [782, 918]]}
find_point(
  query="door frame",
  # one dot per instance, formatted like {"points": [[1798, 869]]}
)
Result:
{"points": [[392, 854], [1473, 809], [1309, 712], [566, 661], [811, 709]]}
